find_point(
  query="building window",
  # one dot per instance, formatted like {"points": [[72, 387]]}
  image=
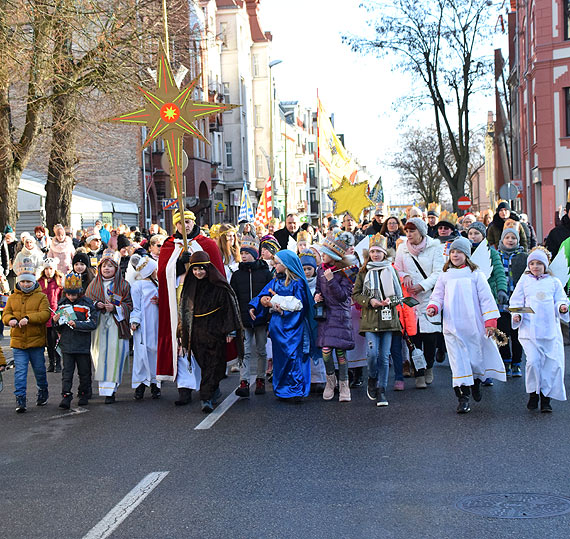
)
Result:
{"points": [[567, 109], [255, 66], [566, 4], [224, 34], [257, 115], [229, 160], [226, 89], [259, 166]]}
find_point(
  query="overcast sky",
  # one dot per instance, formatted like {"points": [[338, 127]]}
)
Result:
{"points": [[360, 90]]}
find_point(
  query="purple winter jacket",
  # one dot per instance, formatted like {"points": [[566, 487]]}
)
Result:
{"points": [[336, 330]]}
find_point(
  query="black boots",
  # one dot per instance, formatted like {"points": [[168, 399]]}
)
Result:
{"points": [[357, 376], [83, 399], [533, 399], [110, 399], [51, 366], [184, 396], [139, 392], [463, 397], [155, 391], [532, 403], [545, 404], [66, 401], [476, 390], [42, 397]]}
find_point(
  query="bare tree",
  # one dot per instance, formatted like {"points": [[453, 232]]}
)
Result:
{"points": [[438, 41]]}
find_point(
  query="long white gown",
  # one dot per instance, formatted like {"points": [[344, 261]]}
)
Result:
{"points": [[467, 303], [540, 334]]}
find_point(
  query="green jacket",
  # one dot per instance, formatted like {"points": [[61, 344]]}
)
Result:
{"points": [[498, 279], [370, 318]]}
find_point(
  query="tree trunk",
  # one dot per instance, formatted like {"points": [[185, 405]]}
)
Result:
{"points": [[9, 183]]}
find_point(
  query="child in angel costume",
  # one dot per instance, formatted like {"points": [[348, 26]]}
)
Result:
{"points": [[541, 290]]}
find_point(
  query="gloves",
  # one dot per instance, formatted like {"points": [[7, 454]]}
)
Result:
{"points": [[184, 258], [503, 297]]}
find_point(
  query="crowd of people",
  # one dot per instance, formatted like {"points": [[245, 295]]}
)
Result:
{"points": [[306, 308]]}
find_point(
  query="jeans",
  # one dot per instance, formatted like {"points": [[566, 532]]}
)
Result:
{"points": [[397, 357], [378, 356], [259, 335], [35, 356]]}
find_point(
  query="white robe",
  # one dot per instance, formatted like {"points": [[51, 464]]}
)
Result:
{"points": [[145, 338], [540, 334], [467, 303]]}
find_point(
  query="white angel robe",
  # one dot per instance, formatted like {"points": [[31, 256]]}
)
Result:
{"points": [[540, 334], [467, 303], [145, 338]]}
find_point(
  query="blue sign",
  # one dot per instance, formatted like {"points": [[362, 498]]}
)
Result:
{"points": [[170, 204]]}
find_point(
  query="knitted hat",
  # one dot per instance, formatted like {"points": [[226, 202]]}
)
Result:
{"points": [[92, 234], [26, 236], [25, 270], [187, 215], [415, 223], [480, 227], [81, 257], [50, 263], [378, 242], [510, 231], [308, 258], [270, 243], [250, 245], [336, 245], [122, 242], [73, 283], [110, 255], [461, 244], [503, 206], [538, 254]]}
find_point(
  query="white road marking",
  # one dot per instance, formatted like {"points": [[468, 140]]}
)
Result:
{"points": [[113, 519], [220, 410], [74, 411]]}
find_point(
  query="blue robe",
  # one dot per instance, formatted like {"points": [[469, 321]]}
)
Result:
{"points": [[291, 340]]}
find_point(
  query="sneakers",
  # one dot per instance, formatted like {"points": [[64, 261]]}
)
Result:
{"points": [[532, 403], [382, 400], [328, 393], [66, 401], [372, 390], [463, 406], [399, 385], [42, 397], [545, 404], [488, 382], [83, 399], [421, 382], [476, 390], [516, 370], [508, 369], [243, 389], [357, 377], [429, 376], [343, 391], [207, 407], [259, 386], [51, 367], [155, 391], [184, 396], [20, 404], [139, 392]]}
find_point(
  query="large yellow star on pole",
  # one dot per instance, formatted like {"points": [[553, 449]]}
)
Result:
{"points": [[350, 198]]}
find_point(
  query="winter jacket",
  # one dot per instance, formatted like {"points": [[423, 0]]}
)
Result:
{"points": [[557, 235], [373, 229], [78, 340], [63, 252], [498, 280], [248, 281], [282, 236], [431, 262], [371, 317], [495, 230], [407, 315], [53, 292], [35, 307], [336, 330]]}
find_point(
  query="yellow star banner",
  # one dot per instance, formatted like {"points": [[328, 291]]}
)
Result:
{"points": [[350, 198]]}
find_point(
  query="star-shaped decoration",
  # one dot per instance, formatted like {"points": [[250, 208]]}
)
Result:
{"points": [[350, 198]]}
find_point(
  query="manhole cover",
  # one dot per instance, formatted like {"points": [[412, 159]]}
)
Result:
{"points": [[515, 505]]}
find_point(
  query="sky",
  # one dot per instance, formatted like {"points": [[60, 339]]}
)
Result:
{"points": [[361, 91]]}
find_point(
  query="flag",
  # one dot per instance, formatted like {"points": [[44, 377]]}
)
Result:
{"points": [[265, 206], [377, 193], [246, 209], [332, 154]]}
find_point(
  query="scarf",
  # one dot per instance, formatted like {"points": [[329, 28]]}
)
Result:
{"points": [[381, 284], [392, 239], [415, 250], [503, 248], [27, 289]]}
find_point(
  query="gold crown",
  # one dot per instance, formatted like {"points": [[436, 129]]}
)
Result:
{"points": [[448, 217], [215, 231], [110, 254], [434, 206], [303, 235], [378, 241], [73, 281]]}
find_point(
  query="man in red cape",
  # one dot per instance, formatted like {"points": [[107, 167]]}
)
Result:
{"points": [[172, 266]]}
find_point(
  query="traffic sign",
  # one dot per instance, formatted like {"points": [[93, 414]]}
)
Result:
{"points": [[464, 203], [508, 191], [170, 204], [220, 207]]}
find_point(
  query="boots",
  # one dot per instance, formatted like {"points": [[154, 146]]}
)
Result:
{"points": [[532, 403], [545, 404], [83, 399], [429, 376], [155, 391], [20, 405], [462, 394], [372, 390], [42, 397], [184, 396], [51, 365], [328, 393], [357, 377], [57, 367], [343, 391], [476, 390], [382, 400], [66, 401], [110, 399], [421, 382], [139, 392]]}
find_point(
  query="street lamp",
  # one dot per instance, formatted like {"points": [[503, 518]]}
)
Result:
{"points": [[271, 64]]}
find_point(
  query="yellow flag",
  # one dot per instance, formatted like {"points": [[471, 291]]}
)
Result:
{"points": [[332, 154]]}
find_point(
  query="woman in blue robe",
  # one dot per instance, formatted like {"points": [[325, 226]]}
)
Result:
{"points": [[292, 332]]}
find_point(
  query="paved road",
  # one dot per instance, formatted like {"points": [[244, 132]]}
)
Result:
{"points": [[270, 469]]}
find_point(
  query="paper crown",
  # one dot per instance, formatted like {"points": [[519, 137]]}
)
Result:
{"points": [[73, 283], [91, 234], [25, 266], [379, 241], [110, 255], [249, 243], [215, 231], [303, 235], [448, 218], [434, 207], [187, 215]]}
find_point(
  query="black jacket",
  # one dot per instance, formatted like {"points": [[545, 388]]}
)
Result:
{"points": [[78, 340], [248, 281], [557, 235], [373, 229], [282, 236]]}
